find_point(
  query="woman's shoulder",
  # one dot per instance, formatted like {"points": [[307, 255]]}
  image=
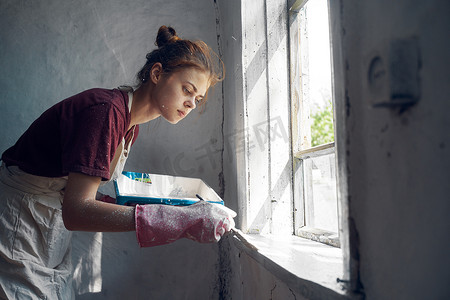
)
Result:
{"points": [[98, 96]]}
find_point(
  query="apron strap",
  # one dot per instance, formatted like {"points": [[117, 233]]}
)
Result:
{"points": [[124, 147]]}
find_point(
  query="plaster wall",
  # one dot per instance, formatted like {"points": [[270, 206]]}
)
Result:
{"points": [[398, 161], [50, 50]]}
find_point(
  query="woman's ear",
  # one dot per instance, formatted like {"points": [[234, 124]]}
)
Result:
{"points": [[156, 72]]}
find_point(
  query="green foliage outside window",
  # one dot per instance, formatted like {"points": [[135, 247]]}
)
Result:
{"points": [[322, 131]]}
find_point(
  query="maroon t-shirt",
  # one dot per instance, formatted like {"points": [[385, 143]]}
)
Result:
{"points": [[79, 134]]}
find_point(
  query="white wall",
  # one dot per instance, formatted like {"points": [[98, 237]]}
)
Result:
{"points": [[398, 163], [52, 49]]}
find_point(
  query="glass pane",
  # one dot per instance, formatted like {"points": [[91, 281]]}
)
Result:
{"points": [[316, 74], [320, 192]]}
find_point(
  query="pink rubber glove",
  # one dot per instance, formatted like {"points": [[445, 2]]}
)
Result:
{"points": [[163, 224]]}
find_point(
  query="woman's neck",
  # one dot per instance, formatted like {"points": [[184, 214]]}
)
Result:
{"points": [[143, 110]]}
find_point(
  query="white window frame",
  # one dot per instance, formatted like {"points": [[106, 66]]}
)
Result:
{"points": [[300, 194], [264, 215]]}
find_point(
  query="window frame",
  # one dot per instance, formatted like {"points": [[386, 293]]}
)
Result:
{"points": [[255, 66], [301, 227], [304, 229]]}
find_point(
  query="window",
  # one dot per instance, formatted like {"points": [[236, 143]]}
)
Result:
{"points": [[315, 197], [277, 194]]}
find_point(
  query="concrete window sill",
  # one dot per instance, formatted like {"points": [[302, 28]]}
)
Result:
{"points": [[310, 268]]}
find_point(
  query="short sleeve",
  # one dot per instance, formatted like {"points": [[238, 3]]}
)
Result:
{"points": [[90, 138]]}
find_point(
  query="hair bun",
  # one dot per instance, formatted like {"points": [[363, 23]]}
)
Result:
{"points": [[166, 35]]}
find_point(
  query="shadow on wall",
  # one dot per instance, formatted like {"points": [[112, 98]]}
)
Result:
{"points": [[257, 66], [264, 214], [120, 269]]}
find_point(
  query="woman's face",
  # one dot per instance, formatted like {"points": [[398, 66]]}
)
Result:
{"points": [[178, 93]]}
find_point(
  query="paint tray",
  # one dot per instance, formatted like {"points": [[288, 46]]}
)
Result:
{"points": [[144, 188]]}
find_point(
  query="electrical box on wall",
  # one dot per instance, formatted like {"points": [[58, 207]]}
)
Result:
{"points": [[393, 74]]}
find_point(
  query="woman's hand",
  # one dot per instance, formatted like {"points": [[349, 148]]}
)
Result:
{"points": [[82, 212], [155, 224], [201, 222]]}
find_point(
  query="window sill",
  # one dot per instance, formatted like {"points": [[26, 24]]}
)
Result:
{"points": [[309, 268], [319, 235]]}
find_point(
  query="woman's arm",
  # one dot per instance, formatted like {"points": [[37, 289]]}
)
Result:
{"points": [[82, 212]]}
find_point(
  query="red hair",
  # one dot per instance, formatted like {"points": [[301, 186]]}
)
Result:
{"points": [[175, 53]]}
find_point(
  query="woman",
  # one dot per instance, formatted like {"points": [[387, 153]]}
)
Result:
{"points": [[49, 178]]}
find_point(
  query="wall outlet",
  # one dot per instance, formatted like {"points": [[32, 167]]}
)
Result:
{"points": [[393, 74]]}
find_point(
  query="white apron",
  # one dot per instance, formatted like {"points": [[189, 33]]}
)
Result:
{"points": [[35, 247], [35, 259]]}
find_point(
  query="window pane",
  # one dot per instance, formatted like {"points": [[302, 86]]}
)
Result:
{"points": [[320, 192], [316, 75]]}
